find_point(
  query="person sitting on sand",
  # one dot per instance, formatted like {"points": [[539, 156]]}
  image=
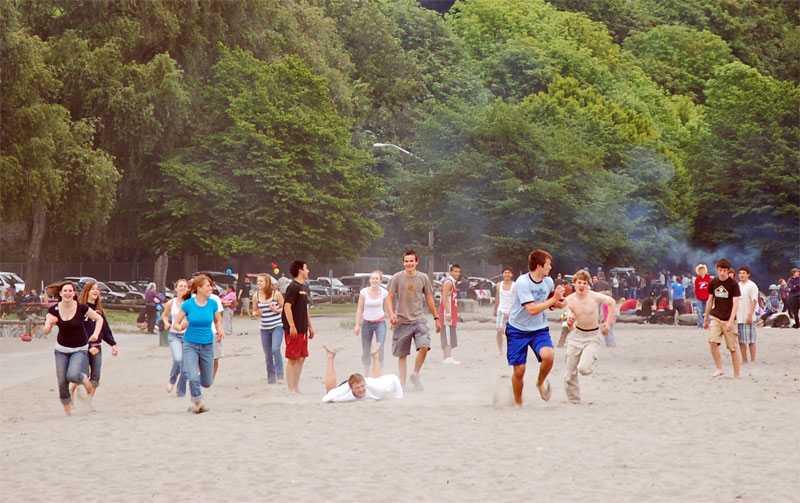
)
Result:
{"points": [[584, 342], [357, 387]]}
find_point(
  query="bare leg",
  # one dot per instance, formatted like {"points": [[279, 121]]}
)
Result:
{"points": [[717, 358], [68, 409], [330, 371], [420, 359], [752, 352], [89, 388], [376, 360], [499, 342], [517, 382], [298, 371], [216, 366], [446, 352], [547, 356], [402, 369], [290, 369], [736, 363], [743, 351]]}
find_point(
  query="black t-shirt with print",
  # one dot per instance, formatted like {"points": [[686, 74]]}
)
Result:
{"points": [[71, 333], [723, 292], [298, 298]]}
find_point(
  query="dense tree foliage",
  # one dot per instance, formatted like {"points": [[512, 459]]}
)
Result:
{"points": [[608, 132]]}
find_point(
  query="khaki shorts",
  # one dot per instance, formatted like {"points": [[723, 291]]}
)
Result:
{"points": [[716, 331]]}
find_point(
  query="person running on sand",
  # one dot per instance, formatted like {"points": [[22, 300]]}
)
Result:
{"points": [[370, 317], [91, 297], [528, 326], [357, 387], [72, 343], [723, 302], [411, 288], [176, 373], [502, 305], [584, 342], [196, 315]]}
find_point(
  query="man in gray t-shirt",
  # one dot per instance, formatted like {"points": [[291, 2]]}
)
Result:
{"points": [[411, 288]]}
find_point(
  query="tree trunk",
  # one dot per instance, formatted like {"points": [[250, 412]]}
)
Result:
{"points": [[189, 264], [160, 271], [33, 271], [134, 275]]}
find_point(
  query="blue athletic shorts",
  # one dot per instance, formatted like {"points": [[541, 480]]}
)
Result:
{"points": [[519, 340]]}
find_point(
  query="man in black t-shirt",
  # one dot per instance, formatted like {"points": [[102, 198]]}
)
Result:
{"points": [[723, 300], [296, 324]]}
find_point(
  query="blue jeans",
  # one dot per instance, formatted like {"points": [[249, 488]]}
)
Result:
{"points": [[368, 328], [700, 306], [70, 367], [177, 374], [271, 339], [198, 363], [95, 364]]}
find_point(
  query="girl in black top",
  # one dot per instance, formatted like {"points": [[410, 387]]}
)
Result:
{"points": [[91, 297], [72, 344]]}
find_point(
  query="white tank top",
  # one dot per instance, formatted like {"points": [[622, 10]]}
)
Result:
{"points": [[373, 308], [173, 313], [506, 298]]}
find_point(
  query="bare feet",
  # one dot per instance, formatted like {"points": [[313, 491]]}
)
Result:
{"points": [[72, 389], [544, 390], [170, 386], [68, 409], [718, 373], [331, 351]]}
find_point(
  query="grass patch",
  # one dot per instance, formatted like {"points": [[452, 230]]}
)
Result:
{"points": [[328, 308], [115, 317]]}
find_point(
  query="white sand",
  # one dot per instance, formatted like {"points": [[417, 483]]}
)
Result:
{"points": [[653, 426]]}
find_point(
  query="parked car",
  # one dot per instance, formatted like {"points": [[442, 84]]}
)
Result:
{"points": [[7, 279], [360, 280], [124, 288], [221, 280], [336, 286], [111, 295], [317, 289]]}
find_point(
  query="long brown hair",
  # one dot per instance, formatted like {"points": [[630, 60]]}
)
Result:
{"points": [[84, 296], [268, 290], [196, 283], [54, 290]]}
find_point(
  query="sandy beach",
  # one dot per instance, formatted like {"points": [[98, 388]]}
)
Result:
{"points": [[653, 426]]}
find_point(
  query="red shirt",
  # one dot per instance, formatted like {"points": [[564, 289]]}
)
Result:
{"points": [[628, 305], [701, 287]]}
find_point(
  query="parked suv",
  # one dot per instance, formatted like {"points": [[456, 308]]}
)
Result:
{"points": [[335, 285], [7, 279]]}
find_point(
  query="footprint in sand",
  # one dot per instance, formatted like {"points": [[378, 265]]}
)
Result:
{"points": [[503, 393]]}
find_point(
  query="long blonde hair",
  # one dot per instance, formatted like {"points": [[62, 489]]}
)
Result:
{"points": [[84, 297], [267, 290]]}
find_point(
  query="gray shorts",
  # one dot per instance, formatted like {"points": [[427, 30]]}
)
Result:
{"points": [[218, 352], [747, 333], [401, 339], [449, 337]]}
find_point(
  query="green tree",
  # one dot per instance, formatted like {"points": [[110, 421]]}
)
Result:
{"points": [[276, 164], [52, 178], [678, 58], [746, 158]]}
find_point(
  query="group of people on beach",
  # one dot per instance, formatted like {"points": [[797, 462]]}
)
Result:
{"points": [[194, 320]]}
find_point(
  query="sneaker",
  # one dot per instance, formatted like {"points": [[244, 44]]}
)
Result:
{"points": [[414, 378], [453, 361]]}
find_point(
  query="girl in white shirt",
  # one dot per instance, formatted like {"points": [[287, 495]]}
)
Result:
{"points": [[370, 318], [502, 305]]}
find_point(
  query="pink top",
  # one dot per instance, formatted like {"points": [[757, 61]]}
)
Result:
{"points": [[228, 297]]}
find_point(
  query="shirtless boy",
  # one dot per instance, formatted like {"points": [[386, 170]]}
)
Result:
{"points": [[584, 342]]}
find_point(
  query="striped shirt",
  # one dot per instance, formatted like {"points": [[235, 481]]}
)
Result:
{"points": [[269, 318]]}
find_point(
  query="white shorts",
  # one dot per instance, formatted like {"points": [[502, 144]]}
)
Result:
{"points": [[502, 320]]}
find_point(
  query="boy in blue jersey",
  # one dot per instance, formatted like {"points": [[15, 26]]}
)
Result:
{"points": [[534, 294]]}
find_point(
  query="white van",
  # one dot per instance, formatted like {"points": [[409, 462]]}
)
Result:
{"points": [[9, 278]]}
